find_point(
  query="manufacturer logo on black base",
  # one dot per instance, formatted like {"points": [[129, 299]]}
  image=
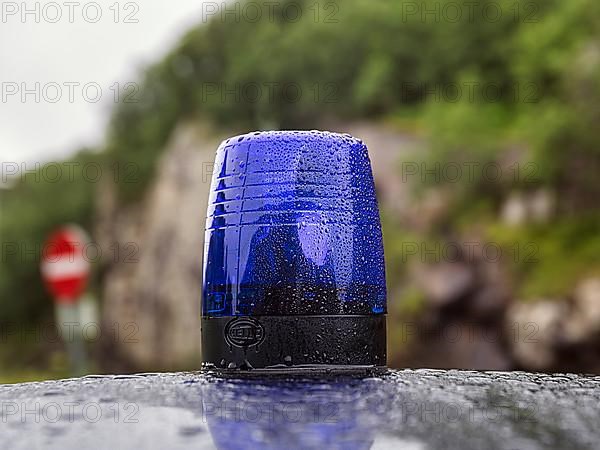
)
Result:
{"points": [[244, 332]]}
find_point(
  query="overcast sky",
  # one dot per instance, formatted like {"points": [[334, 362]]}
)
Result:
{"points": [[79, 47]]}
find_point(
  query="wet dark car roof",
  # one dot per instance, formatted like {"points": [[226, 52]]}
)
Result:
{"points": [[413, 409]]}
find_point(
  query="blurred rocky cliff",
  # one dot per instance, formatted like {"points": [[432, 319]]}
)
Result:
{"points": [[156, 283], [457, 309]]}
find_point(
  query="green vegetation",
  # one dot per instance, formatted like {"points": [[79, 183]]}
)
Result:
{"points": [[369, 59], [553, 257], [39, 202]]}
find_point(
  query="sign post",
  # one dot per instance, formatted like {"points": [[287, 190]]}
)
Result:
{"points": [[65, 271]]}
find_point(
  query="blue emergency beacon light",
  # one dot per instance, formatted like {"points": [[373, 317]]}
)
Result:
{"points": [[294, 277]]}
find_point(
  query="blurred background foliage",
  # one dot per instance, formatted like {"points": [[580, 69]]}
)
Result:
{"points": [[373, 61]]}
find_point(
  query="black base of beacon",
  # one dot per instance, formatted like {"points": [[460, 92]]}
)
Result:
{"points": [[247, 346]]}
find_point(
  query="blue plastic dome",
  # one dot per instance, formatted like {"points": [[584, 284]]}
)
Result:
{"points": [[293, 228]]}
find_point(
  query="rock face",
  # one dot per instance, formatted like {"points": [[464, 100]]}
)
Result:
{"points": [[534, 329], [152, 284], [151, 304], [537, 207], [445, 282], [584, 321], [548, 331]]}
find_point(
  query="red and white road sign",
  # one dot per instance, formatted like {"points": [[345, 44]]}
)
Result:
{"points": [[65, 269]]}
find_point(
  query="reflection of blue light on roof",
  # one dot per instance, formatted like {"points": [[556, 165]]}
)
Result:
{"points": [[292, 415], [293, 227]]}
